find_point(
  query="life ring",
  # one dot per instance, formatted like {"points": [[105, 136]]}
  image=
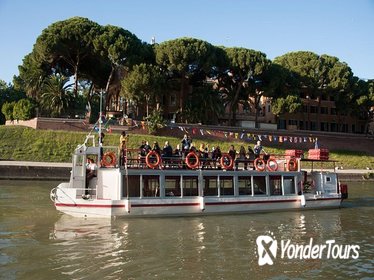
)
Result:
{"points": [[259, 164], [150, 163], [109, 159], [272, 167], [196, 158], [292, 164], [227, 158]]}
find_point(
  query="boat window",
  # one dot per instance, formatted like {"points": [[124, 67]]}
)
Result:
{"points": [[289, 184], [172, 186], [244, 185], [133, 183], [259, 185], [190, 184], [226, 185], [79, 165], [275, 184], [210, 184], [151, 186]]}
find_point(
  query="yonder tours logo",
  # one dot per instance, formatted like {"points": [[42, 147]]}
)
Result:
{"points": [[267, 249]]}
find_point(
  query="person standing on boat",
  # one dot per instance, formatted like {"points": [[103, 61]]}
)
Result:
{"points": [[101, 143], [91, 169], [257, 149], [186, 145], [167, 151], [156, 147], [123, 139], [242, 158]]}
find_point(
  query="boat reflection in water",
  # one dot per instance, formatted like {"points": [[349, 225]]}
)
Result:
{"points": [[219, 246]]}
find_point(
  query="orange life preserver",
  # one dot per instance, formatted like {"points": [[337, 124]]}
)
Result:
{"points": [[224, 164], [109, 159], [292, 164], [150, 164], [273, 167], [259, 164], [197, 160]]}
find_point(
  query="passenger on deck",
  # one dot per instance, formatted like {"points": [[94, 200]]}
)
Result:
{"points": [[91, 169], [232, 152], [258, 149], [251, 153], [177, 151], [142, 150], [186, 144], [241, 158], [123, 139], [167, 151], [156, 147], [204, 153]]}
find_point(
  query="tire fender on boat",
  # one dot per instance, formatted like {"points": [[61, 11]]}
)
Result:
{"points": [[259, 164], [148, 161], [109, 159], [272, 165], [292, 164], [227, 162], [188, 160]]}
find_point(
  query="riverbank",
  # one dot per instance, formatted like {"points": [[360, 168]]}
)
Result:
{"points": [[26, 144], [56, 171]]}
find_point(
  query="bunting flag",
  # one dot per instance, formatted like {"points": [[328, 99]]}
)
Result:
{"points": [[245, 136]]}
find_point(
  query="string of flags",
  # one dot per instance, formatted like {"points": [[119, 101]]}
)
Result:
{"points": [[243, 135], [247, 136]]}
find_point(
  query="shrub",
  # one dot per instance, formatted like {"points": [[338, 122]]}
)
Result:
{"points": [[7, 110], [23, 110]]}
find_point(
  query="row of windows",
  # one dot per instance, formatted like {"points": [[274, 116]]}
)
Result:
{"points": [[324, 126], [323, 110], [184, 186]]}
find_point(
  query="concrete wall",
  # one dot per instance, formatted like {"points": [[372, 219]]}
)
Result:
{"points": [[34, 173], [53, 123]]}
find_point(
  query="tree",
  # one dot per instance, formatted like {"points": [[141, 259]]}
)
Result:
{"points": [[365, 101], [120, 48], [66, 45], [8, 94], [7, 110], [243, 79], [204, 105], [184, 57], [318, 75], [23, 109], [56, 97], [144, 84]]}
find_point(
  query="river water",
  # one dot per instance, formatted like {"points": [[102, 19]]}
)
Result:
{"points": [[37, 242]]}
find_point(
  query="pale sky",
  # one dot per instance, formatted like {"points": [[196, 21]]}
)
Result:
{"points": [[340, 28]]}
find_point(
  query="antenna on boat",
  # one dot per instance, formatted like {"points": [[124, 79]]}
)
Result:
{"points": [[100, 115]]}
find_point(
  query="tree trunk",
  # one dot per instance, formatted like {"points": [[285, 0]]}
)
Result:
{"points": [[107, 96]]}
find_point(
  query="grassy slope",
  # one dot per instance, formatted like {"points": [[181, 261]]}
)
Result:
{"points": [[20, 143]]}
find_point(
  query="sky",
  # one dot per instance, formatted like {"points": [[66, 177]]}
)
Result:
{"points": [[341, 28]]}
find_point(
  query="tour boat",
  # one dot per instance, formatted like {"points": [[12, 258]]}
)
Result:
{"points": [[129, 185]]}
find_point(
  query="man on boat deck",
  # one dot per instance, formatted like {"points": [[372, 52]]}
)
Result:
{"points": [[257, 149], [91, 168], [123, 139]]}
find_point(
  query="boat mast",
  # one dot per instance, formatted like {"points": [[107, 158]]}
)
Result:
{"points": [[100, 115]]}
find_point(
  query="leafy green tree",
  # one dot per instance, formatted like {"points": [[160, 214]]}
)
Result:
{"points": [[182, 58], [120, 48], [66, 45], [155, 121], [56, 97], [23, 109], [244, 79], [8, 94], [7, 110], [365, 101], [204, 105], [144, 84], [319, 75]]}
